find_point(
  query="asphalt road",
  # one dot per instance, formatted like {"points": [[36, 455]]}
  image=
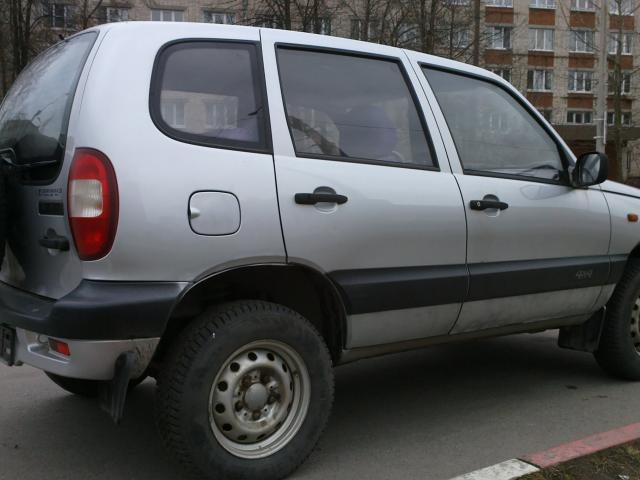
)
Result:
{"points": [[429, 414]]}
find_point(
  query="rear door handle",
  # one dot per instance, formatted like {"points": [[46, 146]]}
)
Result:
{"points": [[320, 197], [53, 241], [485, 204]]}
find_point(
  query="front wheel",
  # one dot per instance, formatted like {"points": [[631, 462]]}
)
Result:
{"points": [[246, 392], [619, 349]]}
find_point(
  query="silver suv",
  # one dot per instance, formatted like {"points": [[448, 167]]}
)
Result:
{"points": [[235, 210]]}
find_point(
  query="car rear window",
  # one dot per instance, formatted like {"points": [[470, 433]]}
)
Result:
{"points": [[34, 116], [210, 93]]}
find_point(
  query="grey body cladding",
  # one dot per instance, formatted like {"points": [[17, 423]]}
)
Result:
{"points": [[375, 290]]}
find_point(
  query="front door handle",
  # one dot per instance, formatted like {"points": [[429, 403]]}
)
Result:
{"points": [[486, 204], [320, 197]]}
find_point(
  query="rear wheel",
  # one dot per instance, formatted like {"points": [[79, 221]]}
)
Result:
{"points": [[619, 349], [246, 392]]}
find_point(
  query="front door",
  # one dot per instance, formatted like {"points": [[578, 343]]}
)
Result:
{"points": [[537, 248], [365, 192]]}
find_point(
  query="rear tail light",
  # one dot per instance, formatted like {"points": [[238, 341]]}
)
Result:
{"points": [[92, 203]]}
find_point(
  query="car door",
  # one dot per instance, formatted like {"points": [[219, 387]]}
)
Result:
{"points": [[364, 193], [537, 248]]}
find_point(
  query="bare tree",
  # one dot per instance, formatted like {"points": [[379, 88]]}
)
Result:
{"points": [[87, 12]]}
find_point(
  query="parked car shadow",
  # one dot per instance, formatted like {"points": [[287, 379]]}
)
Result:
{"points": [[412, 413]]}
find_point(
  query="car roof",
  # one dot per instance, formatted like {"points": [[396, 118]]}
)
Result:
{"points": [[208, 30]]}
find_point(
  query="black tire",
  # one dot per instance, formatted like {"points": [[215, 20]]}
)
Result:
{"points": [[86, 388], [77, 386], [616, 353], [192, 366]]}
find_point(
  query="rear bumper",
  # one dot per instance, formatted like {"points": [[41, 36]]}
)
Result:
{"points": [[98, 320], [89, 359], [94, 310]]}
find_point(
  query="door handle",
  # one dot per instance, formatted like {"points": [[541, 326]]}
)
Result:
{"points": [[320, 197], [485, 204], [53, 241]]}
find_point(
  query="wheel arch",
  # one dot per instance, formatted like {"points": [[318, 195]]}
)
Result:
{"points": [[635, 252], [303, 289]]}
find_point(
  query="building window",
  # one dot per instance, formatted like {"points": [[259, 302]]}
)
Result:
{"points": [[583, 5], [219, 17], [500, 3], [324, 26], [173, 112], [504, 72], [356, 29], [541, 39], [579, 117], [540, 80], [62, 16], [460, 38], [546, 113], [499, 38], [621, 7], [625, 118], [268, 21], [624, 40], [458, 2], [580, 81], [113, 14], [581, 41], [543, 4], [625, 83], [222, 114], [167, 15]]}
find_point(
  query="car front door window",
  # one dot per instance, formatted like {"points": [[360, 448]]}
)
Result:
{"points": [[493, 133]]}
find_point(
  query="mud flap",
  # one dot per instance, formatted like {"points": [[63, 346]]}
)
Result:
{"points": [[584, 337], [114, 393]]}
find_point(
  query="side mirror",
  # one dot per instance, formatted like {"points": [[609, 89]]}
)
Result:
{"points": [[591, 169]]}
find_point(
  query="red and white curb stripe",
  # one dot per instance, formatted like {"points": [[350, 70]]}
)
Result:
{"points": [[518, 467]]}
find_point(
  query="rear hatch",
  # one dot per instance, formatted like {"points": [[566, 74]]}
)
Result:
{"points": [[35, 148]]}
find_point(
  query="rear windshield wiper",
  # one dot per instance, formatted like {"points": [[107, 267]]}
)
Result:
{"points": [[8, 156]]}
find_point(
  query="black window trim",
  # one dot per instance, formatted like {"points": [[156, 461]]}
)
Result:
{"points": [[565, 158], [376, 56], [265, 145]]}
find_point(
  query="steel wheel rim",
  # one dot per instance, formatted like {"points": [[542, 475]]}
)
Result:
{"points": [[635, 325], [259, 399]]}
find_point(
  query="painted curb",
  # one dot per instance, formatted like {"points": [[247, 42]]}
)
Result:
{"points": [[515, 468], [586, 446], [502, 471]]}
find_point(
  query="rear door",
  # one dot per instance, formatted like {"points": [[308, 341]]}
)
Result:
{"points": [[365, 191], [34, 124], [537, 248]]}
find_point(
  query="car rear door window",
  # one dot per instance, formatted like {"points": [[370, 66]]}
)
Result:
{"points": [[354, 108], [492, 131], [210, 93]]}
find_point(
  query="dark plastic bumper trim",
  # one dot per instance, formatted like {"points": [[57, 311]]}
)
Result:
{"points": [[95, 310]]}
